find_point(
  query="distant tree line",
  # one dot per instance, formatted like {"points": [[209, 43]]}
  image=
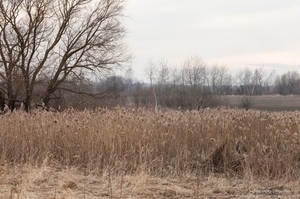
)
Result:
{"points": [[288, 83], [194, 85]]}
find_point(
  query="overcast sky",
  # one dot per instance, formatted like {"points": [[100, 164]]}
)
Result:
{"points": [[235, 33]]}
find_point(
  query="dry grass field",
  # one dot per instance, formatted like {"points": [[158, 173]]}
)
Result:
{"points": [[268, 102], [127, 153]]}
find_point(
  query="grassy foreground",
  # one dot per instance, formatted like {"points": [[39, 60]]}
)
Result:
{"points": [[126, 153]]}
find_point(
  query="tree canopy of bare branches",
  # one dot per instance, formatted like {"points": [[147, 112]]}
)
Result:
{"points": [[53, 42]]}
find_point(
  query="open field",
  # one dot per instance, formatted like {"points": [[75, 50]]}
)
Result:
{"points": [[268, 102], [122, 153]]}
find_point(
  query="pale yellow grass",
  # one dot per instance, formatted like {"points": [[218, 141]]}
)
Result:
{"points": [[50, 182]]}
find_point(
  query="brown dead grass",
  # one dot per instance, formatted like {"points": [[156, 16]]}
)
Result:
{"points": [[50, 182], [140, 153]]}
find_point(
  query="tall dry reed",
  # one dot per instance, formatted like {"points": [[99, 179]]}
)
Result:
{"points": [[225, 141]]}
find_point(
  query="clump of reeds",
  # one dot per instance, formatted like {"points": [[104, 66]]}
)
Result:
{"points": [[225, 141]]}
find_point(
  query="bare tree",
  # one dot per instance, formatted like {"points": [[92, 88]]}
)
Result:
{"points": [[258, 80], [218, 78], [195, 71], [194, 74], [291, 81], [288, 83], [150, 72], [59, 40], [245, 82], [251, 83], [269, 82], [9, 58], [163, 72]]}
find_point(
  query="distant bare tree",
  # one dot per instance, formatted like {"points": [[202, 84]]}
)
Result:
{"points": [[194, 74], [251, 83], [163, 72], [292, 81], [195, 71], [151, 73], [175, 76], [288, 83], [258, 80], [269, 82], [245, 82], [218, 78]]}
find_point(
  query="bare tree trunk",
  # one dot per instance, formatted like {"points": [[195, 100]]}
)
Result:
{"points": [[11, 104], [10, 96], [2, 102], [27, 103], [47, 99]]}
